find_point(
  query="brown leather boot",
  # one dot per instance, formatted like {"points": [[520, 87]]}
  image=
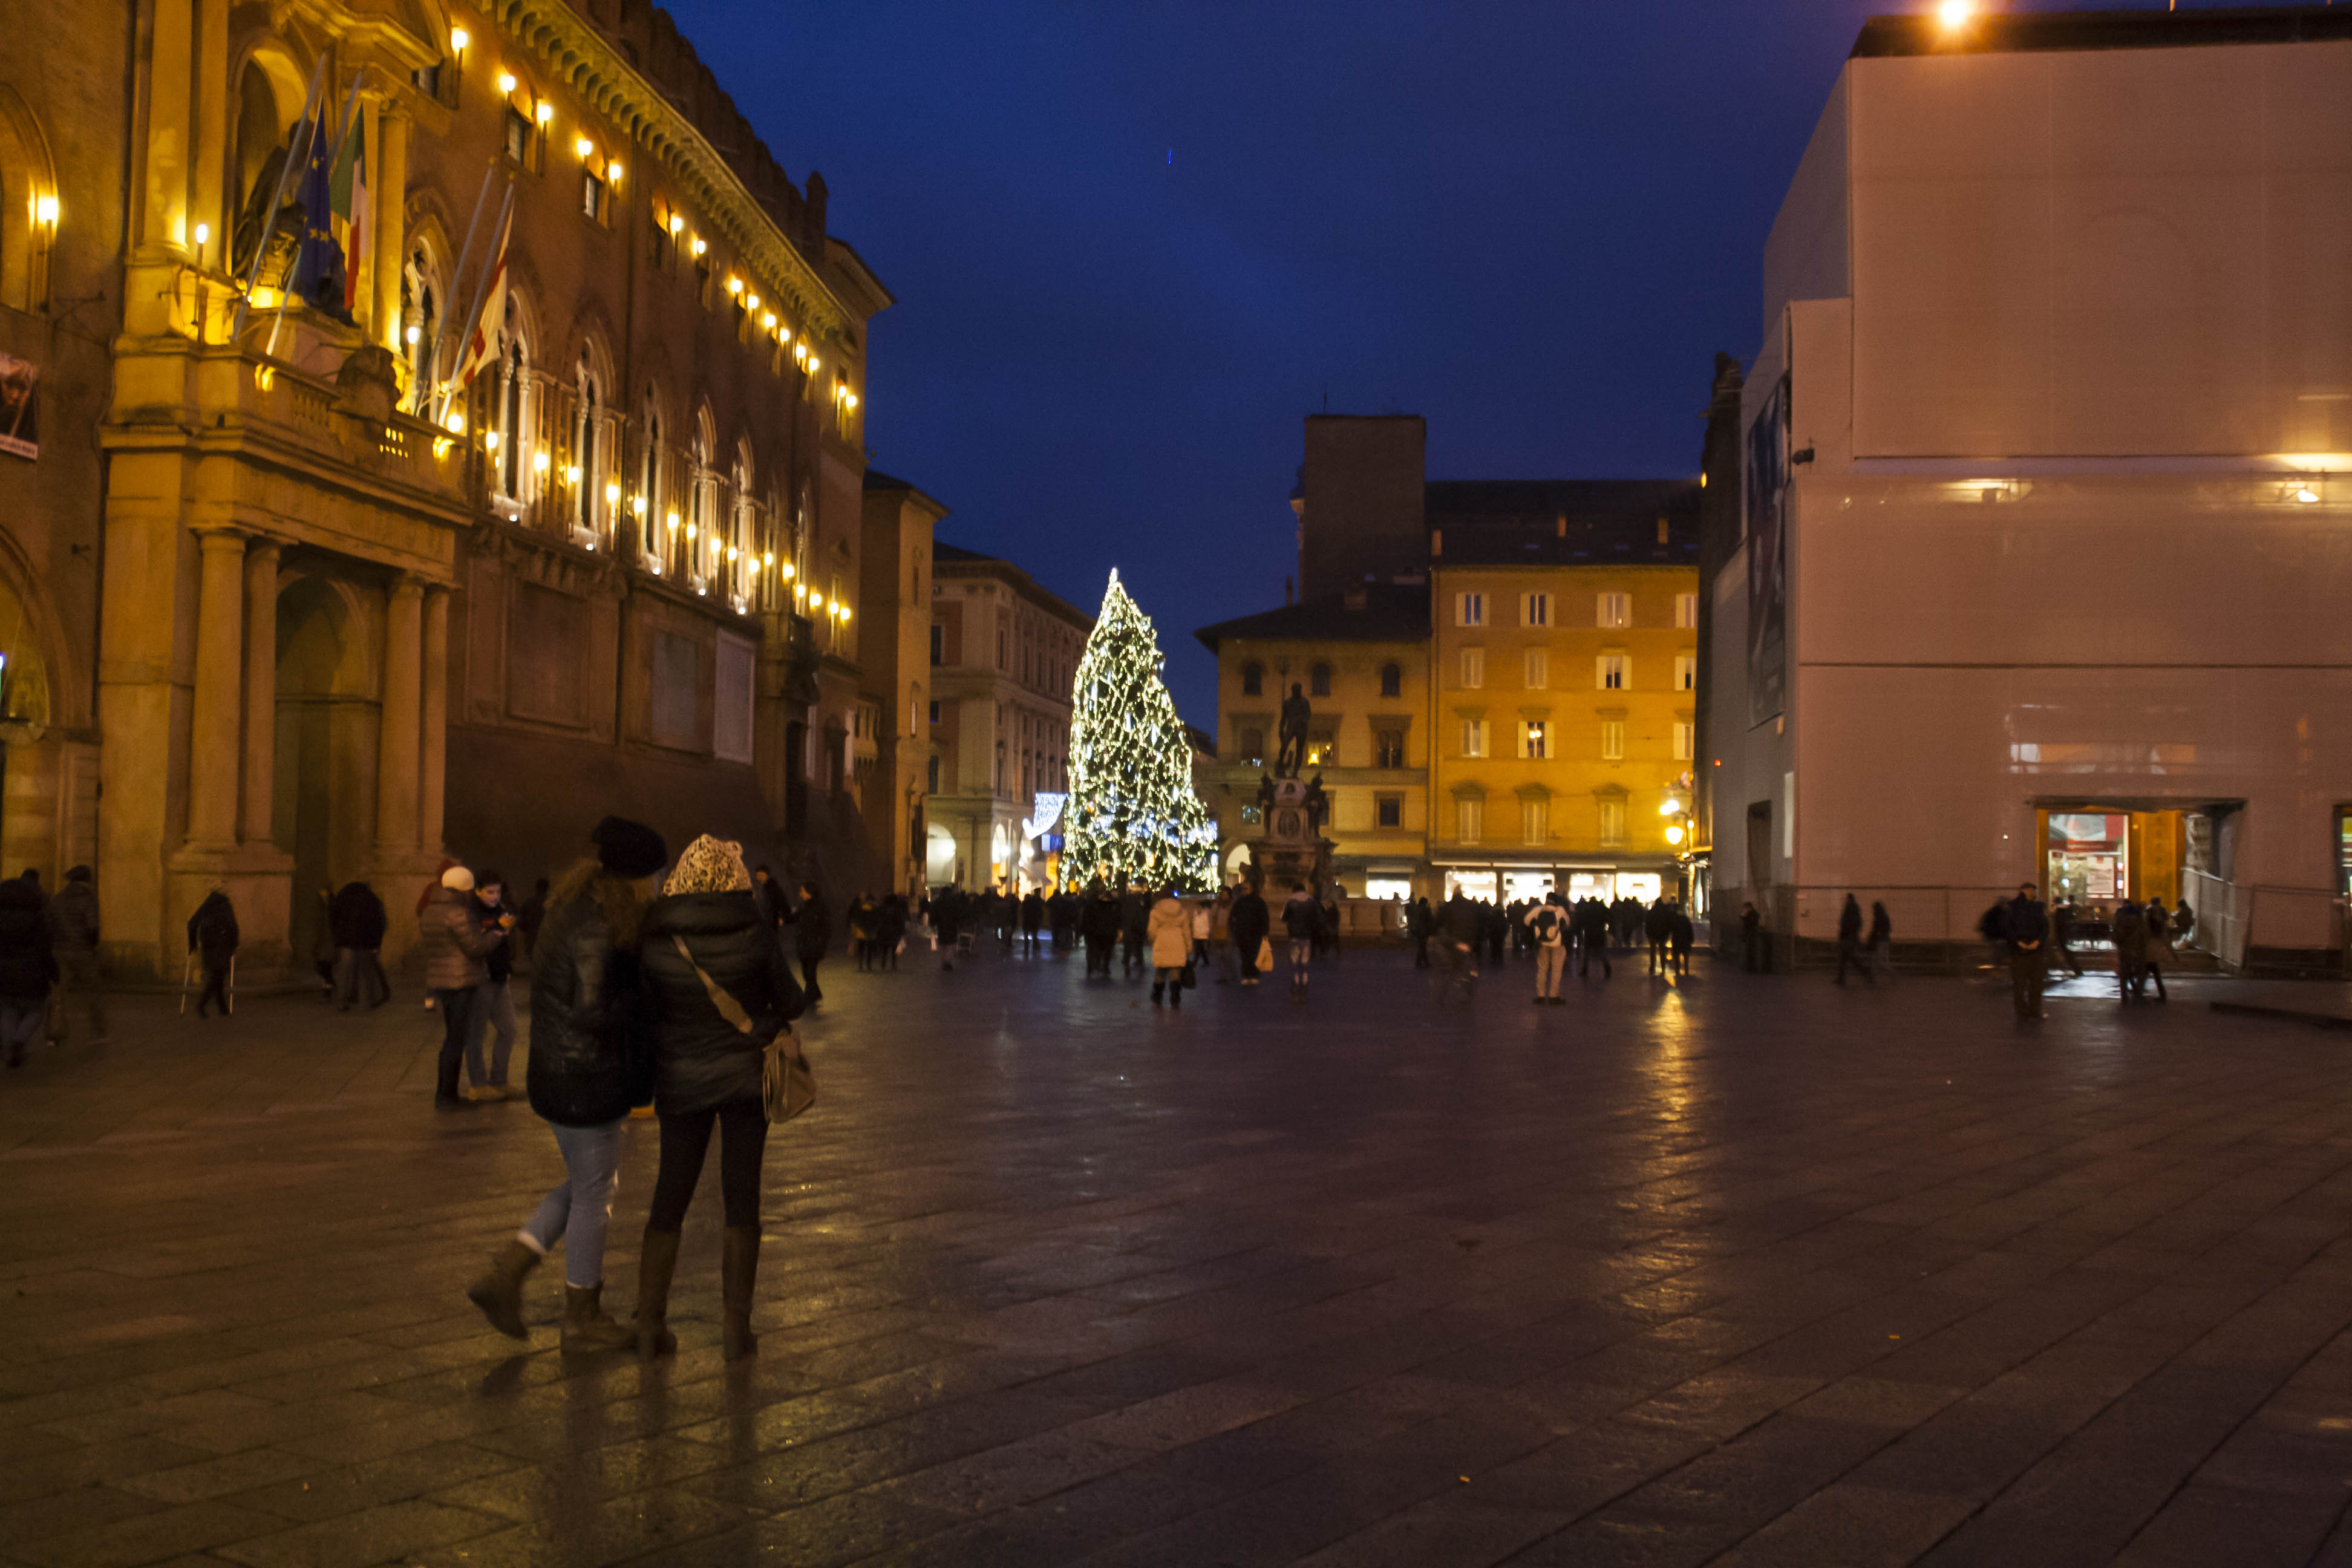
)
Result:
{"points": [[738, 1269], [585, 1326], [654, 1267], [498, 1292]]}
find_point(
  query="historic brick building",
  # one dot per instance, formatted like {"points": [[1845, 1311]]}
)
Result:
{"points": [[329, 608]]}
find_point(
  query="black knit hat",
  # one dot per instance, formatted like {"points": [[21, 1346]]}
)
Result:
{"points": [[628, 848]]}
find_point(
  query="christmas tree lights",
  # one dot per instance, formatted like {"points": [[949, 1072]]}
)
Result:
{"points": [[1132, 814]]}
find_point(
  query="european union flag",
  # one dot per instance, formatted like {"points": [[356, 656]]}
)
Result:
{"points": [[318, 264]]}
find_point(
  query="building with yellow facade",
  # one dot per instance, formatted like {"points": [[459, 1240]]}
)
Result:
{"points": [[481, 412], [1502, 675]]}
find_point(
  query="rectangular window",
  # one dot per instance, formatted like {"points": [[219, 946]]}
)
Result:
{"points": [[1392, 680], [1003, 646], [1388, 749], [1613, 672], [1469, 820], [518, 135], [592, 194], [1252, 747], [1535, 609], [1686, 611], [1474, 669], [1253, 681], [1535, 821], [1687, 672], [1613, 740], [1612, 821], [1614, 610], [1319, 749], [1387, 811], [1534, 739], [1683, 742], [935, 708], [1319, 681], [1474, 737], [934, 782], [1538, 670], [939, 639], [1469, 609]]}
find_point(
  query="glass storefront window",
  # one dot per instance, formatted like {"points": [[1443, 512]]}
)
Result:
{"points": [[1471, 884], [2089, 856]]}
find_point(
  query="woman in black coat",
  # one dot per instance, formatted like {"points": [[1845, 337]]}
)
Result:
{"points": [[717, 988], [588, 1066], [1249, 923]]}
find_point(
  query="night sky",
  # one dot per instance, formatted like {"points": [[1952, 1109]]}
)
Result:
{"points": [[1134, 244]]}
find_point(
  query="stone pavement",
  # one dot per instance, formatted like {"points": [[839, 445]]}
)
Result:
{"points": [[1749, 1270]]}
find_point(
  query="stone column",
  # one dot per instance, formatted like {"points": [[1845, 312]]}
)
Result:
{"points": [[164, 202], [389, 176], [395, 756], [260, 688], [212, 731], [209, 115], [432, 760]]}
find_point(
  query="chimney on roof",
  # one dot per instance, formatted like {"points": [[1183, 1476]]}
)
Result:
{"points": [[1560, 525], [812, 221]]}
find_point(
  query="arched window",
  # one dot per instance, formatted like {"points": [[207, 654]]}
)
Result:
{"points": [[741, 550], [28, 206], [702, 508]]}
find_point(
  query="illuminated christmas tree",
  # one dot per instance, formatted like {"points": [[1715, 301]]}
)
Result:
{"points": [[1133, 815]]}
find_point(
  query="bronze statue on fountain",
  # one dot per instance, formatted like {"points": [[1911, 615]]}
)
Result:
{"points": [[1290, 847]]}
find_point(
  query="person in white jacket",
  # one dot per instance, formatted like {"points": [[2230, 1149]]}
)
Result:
{"points": [[1170, 932]]}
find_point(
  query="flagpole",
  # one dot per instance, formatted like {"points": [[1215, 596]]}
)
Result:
{"points": [[350, 112], [432, 390], [276, 198], [482, 284]]}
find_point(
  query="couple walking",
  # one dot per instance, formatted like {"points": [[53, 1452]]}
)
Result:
{"points": [[672, 989]]}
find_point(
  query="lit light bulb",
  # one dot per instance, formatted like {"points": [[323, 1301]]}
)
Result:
{"points": [[843, 608], [490, 439], [583, 146], [459, 38], [1668, 806], [751, 301], [203, 233], [539, 461], [813, 363], [44, 211], [789, 569], [1674, 834], [699, 246], [673, 522], [1954, 14], [637, 505], [676, 223], [734, 284], [611, 173], [769, 321], [546, 112], [769, 559], [412, 334], [689, 530], [730, 553], [456, 422], [612, 495], [571, 474], [850, 398], [2307, 496]]}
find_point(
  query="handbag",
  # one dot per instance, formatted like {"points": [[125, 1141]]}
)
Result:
{"points": [[1265, 954], [1190, 979], [787, 1087]]}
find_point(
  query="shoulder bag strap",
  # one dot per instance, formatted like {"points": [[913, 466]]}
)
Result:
{"points": [[728, 1008]]}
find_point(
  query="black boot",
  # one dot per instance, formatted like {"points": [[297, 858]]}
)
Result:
{"points": [[444, 1085], [498, 1292], [739, 1269], [654, 1266]]}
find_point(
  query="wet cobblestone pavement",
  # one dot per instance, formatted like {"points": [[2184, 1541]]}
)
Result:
{"points": [[1752, 1271]]}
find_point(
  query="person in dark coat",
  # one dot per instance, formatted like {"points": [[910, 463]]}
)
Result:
{"points": [[1849, 939], [1657, 925], [770, 896], [1680, 935], [213, 938], [1591, 922], [1417, 924], [1134, 932], [1098, 924], [717, 989], [2157, 950], [1249, 922], [73, 935], [890, 930], [28, 967], [1879, 943], [356, 920], [947, 924], [1032, 920], [812, 934], [2025, 925], [2063, 918], [590, 1058], [1750, 930]]}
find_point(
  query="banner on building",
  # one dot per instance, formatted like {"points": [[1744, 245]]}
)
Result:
{"points": [[20, 407], [1767, 557]]}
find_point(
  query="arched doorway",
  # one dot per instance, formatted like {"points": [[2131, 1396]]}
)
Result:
{"points": [[322, 811]]}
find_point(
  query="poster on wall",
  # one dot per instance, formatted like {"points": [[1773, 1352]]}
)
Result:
{"points": [[20, 407], [1767, 557]]}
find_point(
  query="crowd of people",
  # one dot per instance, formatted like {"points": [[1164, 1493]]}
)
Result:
{"points": [[2033, 939]]}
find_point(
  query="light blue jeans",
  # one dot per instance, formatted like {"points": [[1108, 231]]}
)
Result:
{"points": [[581, 1206]]}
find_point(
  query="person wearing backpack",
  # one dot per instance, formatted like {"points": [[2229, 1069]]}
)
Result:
{"points": [[1548, 933]]}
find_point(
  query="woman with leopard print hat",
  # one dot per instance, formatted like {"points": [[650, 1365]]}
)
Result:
{"points": [[719, 989]]}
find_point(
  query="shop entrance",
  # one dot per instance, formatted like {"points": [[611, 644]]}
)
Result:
{"points": [[2095, 856]]}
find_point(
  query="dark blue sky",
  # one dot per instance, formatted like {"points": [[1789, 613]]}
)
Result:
{"points": [[1533, 224]]}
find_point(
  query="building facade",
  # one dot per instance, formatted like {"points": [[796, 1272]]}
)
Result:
{"points": [[485, 413], [1564, 675], [1004, 654], [896, 597], [2042, 516], [1502, 675]]}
